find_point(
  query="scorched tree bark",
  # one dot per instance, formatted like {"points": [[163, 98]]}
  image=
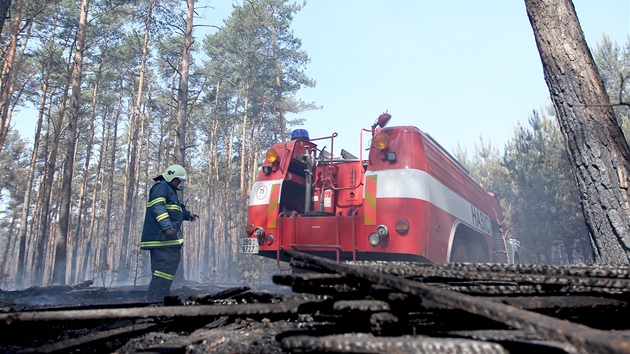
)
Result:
{"points": [[596, 146]]}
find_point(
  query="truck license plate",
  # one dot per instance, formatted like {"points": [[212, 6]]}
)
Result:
{"points": [[248, 245]]}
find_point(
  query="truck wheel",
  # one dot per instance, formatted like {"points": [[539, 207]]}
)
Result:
{"points": [[477, 253], [517, 258], [458, 251]]}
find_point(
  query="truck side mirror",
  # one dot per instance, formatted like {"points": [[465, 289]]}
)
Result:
{"points": [[383, 119]]}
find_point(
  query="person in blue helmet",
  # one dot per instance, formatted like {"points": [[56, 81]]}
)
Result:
{"points": [[162, 231]]}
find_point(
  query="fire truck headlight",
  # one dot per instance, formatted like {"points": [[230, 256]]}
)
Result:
{"points": [[382, 231], [249, 229], [269, 239], [380, 141], [259, 232], [266, 170], [272, 156], [390, 156], [402, 227], [374, 239]]}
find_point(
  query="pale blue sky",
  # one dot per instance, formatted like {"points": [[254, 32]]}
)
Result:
{"points": [[458, 70]]}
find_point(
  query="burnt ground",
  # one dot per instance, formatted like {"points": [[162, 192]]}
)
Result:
{"points": [[338, 308], [72, 319]]}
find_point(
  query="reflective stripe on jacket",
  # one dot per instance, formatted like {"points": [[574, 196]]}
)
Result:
{"points": [[163, 212]]}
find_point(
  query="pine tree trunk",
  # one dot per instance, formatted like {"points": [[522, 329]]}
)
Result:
{"points": [[596, 146], [171, 120], [182, 92], [182, 108], [130, 190], [279, 107], [241, 188], [59, 270], [5, 5], [88, 236], [80, 240], [97, 202], [45, 232], [7, 74], [9, 249], [107, 237], [22, 259], [212, 181]]}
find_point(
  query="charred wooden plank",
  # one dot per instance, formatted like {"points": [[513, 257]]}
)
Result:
{"points": [[411, 268], [583, 337], [520, 289], [515, 341], [361, 306], [288, 307], [596, 312], [476, 288], [222, 295], [319, 278], [384, 323], [225, 294], [559, 302], [354, 315], [367, 343], [92, 338], [320, 283], [175, 344], [551, 278]]}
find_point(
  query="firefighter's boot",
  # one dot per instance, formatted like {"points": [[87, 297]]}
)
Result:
{"points": [[158, 289]]}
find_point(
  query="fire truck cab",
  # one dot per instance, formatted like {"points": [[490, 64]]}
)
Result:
{"points": [[409, 200]]}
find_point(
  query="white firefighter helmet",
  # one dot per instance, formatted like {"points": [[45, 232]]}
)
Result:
{"points": [[175, 171]]}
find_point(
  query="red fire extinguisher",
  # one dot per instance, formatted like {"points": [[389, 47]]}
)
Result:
{"points": [[329, 201], [316, 197]]}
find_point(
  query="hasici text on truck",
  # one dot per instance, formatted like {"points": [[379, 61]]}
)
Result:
{"points": [[410, 200]]}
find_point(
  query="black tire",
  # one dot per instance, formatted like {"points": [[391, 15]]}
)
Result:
{"points": [[458, 251], [517, 258], [477, 253]]}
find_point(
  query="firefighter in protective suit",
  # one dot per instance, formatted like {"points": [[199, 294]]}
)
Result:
{"points": [[162, 233]]}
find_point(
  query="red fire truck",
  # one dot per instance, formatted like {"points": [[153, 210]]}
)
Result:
{"points": [[409, 200]]}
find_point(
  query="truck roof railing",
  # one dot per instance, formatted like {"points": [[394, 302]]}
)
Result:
{"points": [[447, 153]]}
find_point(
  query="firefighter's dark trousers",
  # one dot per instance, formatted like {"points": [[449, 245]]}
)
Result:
{"points": [[164, 264]]}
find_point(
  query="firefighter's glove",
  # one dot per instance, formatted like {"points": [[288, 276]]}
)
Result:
{"points": [[193, 216], [170, 232]]}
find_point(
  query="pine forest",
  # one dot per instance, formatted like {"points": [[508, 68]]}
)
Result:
{"points": [[121, 89]]}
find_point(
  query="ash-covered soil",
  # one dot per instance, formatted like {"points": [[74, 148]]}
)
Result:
{"points": [[220, 334], [86, 294], [391, 307], [241, 336]]}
